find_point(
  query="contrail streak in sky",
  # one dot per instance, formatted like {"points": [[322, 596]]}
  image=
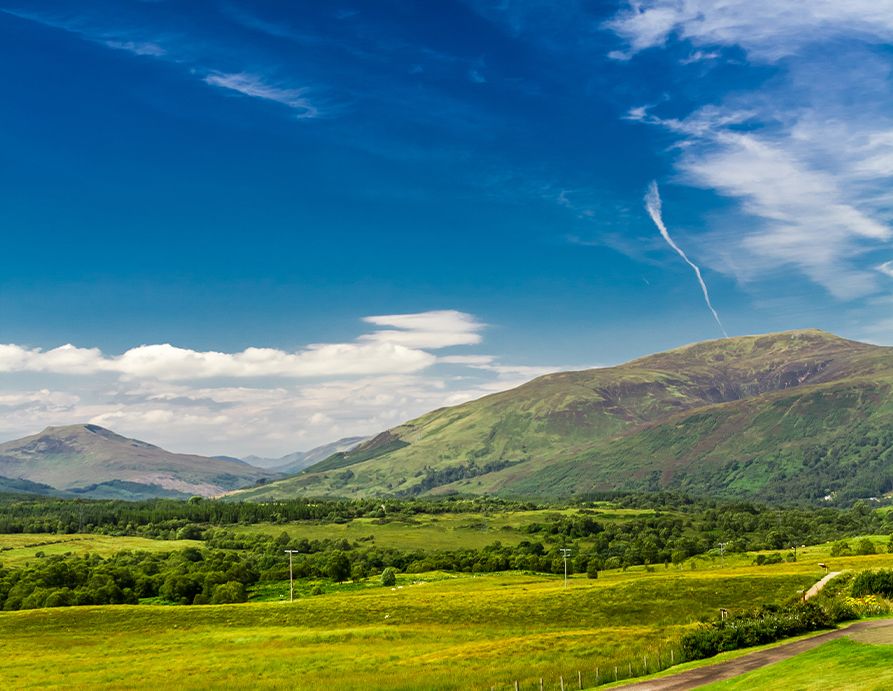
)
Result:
{"points": [[653, 206]]}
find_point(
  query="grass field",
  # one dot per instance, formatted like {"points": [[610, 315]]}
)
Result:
{"points": [[840, 664], [437, 631], [15, 550], [434, 531], [464, 632]]}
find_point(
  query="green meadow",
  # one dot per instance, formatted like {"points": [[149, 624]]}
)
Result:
{"points": [[435, 531], [20, 548], [437, 631]]}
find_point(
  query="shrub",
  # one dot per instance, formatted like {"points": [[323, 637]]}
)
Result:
{"points": [[757, 627], [388, 577], [865, 546], [841, 548], [874, 583], [232, 591]]}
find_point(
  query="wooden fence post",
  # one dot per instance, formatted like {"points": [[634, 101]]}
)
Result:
{"points": [[580, 679]]}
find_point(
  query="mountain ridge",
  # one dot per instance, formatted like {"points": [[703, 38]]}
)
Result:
{"points": [[644, 424], [74, 457]]}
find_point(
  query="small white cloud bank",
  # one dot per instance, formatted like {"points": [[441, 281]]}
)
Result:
{"points": [[264, 401]]}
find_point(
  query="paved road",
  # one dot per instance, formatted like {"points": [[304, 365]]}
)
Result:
{"points": [[694, 678]]}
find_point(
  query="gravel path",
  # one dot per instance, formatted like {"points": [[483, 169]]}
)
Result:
{"points": [[694, 678], [812, 592]]}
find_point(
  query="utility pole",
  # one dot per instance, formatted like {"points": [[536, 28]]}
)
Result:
{"points": [[291, 577], [565, 553]]}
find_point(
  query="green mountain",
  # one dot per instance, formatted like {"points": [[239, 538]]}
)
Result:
{"points": [[92, 461], [297, 461], [795, 415]]}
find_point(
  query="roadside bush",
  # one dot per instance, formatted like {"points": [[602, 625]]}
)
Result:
{"points": [[757, 627]]}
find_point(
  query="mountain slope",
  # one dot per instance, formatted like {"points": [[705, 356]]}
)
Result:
{"points": [[749, 416], [297, 461], [78, 456]]}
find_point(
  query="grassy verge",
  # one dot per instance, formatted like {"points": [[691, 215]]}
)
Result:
{"points": [[838, 664]]}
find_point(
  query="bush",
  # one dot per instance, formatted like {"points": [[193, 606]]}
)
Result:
{"points": [[841, 548], [757, 627], [874, 583], [388, 577], [865, 546], [229, 592]]}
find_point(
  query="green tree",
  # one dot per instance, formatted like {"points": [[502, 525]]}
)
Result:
{"points": [[389, 577], [865, 546], [338, 567]]}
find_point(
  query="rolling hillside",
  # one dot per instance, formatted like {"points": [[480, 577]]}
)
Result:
{"points": [[92, 461], [297, 461], [795, 415]]}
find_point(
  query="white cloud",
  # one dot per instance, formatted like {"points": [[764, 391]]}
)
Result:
{"points": [[437, 329], [256, 86], [766, 29], [145, 48], [808, 156], [261, 400]]}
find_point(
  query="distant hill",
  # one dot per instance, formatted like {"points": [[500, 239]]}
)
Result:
{"points": [[297, 461], [19, 486], [92, 461], [794, 415]]}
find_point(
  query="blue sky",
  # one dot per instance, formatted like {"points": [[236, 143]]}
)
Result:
{"points": [[251, 227]]}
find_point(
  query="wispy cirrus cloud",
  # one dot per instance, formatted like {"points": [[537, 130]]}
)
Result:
{"points": [[256, 86], [175, 48], [808, 156]]}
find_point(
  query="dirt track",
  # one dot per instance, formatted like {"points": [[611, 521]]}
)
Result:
{"points": [[725, 670]]}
